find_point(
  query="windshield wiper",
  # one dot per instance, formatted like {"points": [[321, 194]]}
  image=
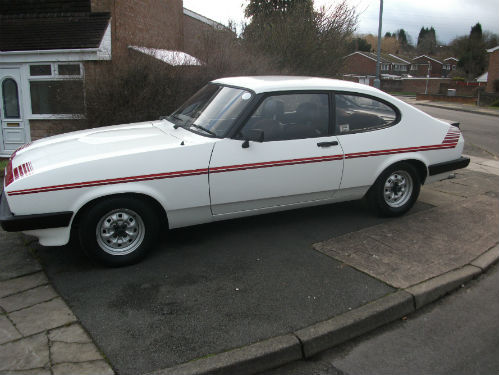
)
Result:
{"points": [[175, 125], [203, 129]]}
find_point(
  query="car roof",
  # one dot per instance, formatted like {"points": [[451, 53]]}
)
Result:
{"points": [[260, 84]]}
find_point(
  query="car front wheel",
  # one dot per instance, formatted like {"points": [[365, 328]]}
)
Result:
{"points": [[395, 191], [118, 231]]}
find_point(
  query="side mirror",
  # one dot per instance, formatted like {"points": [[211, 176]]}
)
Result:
{"points": [[255, 135]]}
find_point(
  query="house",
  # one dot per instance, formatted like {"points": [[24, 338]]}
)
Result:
{"points": [[493, 72], [424, 65], [364, 63], [50, 50]]}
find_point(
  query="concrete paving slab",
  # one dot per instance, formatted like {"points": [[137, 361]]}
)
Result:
{"points": [[24, 354], [436, 197], [63, 352], [7, 330], [85, 368], [69, 334], [430, 290], [420, 246], [21, 284], [42, 317], [28, 298]]}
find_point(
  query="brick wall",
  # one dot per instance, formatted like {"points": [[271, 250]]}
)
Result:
{"points": [[148, 23], [358, 64], [193, 31], [46, 128], [493, 71], [414, 85]]}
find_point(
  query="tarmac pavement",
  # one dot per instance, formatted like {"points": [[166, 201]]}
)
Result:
{"points": [[332, 283], [471, 108]]}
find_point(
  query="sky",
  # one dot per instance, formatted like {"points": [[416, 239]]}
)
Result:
{"points": [[450, 18]]}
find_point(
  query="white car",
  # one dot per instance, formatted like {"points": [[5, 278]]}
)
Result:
{"points": [[240, 146]]}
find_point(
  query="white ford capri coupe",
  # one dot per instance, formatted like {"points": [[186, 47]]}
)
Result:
{"points": [[240, 146]]}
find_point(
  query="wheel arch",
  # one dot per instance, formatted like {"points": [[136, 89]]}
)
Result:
{"points": [[158, 208], [414, 160]]}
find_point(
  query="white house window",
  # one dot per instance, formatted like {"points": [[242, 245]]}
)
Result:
{"points": [[40, 70], [414, 67], [403, 68], [385, 66], [396, 67], [56, 89]]}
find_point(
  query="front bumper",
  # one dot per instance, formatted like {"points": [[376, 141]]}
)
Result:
{"points": [[17, 223], [448, 166]]}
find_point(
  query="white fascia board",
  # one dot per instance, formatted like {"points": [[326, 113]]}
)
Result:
{"points": [[360, 53], [451, 58], [429, 58], [203, 19], [49, 55], [398, 58], [104, 50], [493, 49]]}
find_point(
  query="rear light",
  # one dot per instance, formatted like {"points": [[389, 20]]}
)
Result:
{"points": [[9, 176]]}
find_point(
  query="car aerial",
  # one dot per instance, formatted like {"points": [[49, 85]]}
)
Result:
{"points": [[240, 146]]}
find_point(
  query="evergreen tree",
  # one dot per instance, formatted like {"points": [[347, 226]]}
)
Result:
{"points": [[427, 41], [473, 55]]}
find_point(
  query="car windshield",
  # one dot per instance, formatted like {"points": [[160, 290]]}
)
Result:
{"points": [[212, 110]]}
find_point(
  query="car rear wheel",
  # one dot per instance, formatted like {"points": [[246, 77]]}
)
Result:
{"points": [[395, 191], [118, 231]]}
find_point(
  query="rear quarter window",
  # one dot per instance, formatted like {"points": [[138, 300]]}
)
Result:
{"points": [[359, 113]]}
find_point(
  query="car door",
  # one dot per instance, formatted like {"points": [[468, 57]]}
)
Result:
{"points": [[294, 159]]}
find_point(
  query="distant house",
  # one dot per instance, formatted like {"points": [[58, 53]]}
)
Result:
{"points": [[51, 49], [493, 72], [424, 65], [449, 65], [364, 63]]}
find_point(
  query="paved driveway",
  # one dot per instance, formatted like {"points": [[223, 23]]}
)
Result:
{"points": [[214, 287]]}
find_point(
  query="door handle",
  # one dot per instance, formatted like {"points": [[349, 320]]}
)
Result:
{"points": [[327, 144]]}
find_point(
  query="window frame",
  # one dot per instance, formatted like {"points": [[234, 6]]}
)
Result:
{"points": [[54, 76], [258, 100], [398, 114]]}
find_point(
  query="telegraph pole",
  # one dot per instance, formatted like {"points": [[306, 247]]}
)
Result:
{"points": [[377, 82]]}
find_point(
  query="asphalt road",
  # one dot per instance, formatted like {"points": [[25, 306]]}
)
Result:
{"points": [[481, 132], [457, 335]]}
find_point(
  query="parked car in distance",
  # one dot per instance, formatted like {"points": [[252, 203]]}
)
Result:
{"points": [[240, 146]]}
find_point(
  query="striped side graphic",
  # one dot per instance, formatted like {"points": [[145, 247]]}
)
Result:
{"points": [[450, 141]]}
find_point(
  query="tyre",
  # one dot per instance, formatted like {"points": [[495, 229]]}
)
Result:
{"points": [[118, 231], [395, 191]]}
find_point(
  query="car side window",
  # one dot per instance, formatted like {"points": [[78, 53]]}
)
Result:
{"points": [[289, 116], [356, 113]]}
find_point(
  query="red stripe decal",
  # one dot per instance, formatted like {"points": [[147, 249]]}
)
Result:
{"points": [[450, 141]]}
